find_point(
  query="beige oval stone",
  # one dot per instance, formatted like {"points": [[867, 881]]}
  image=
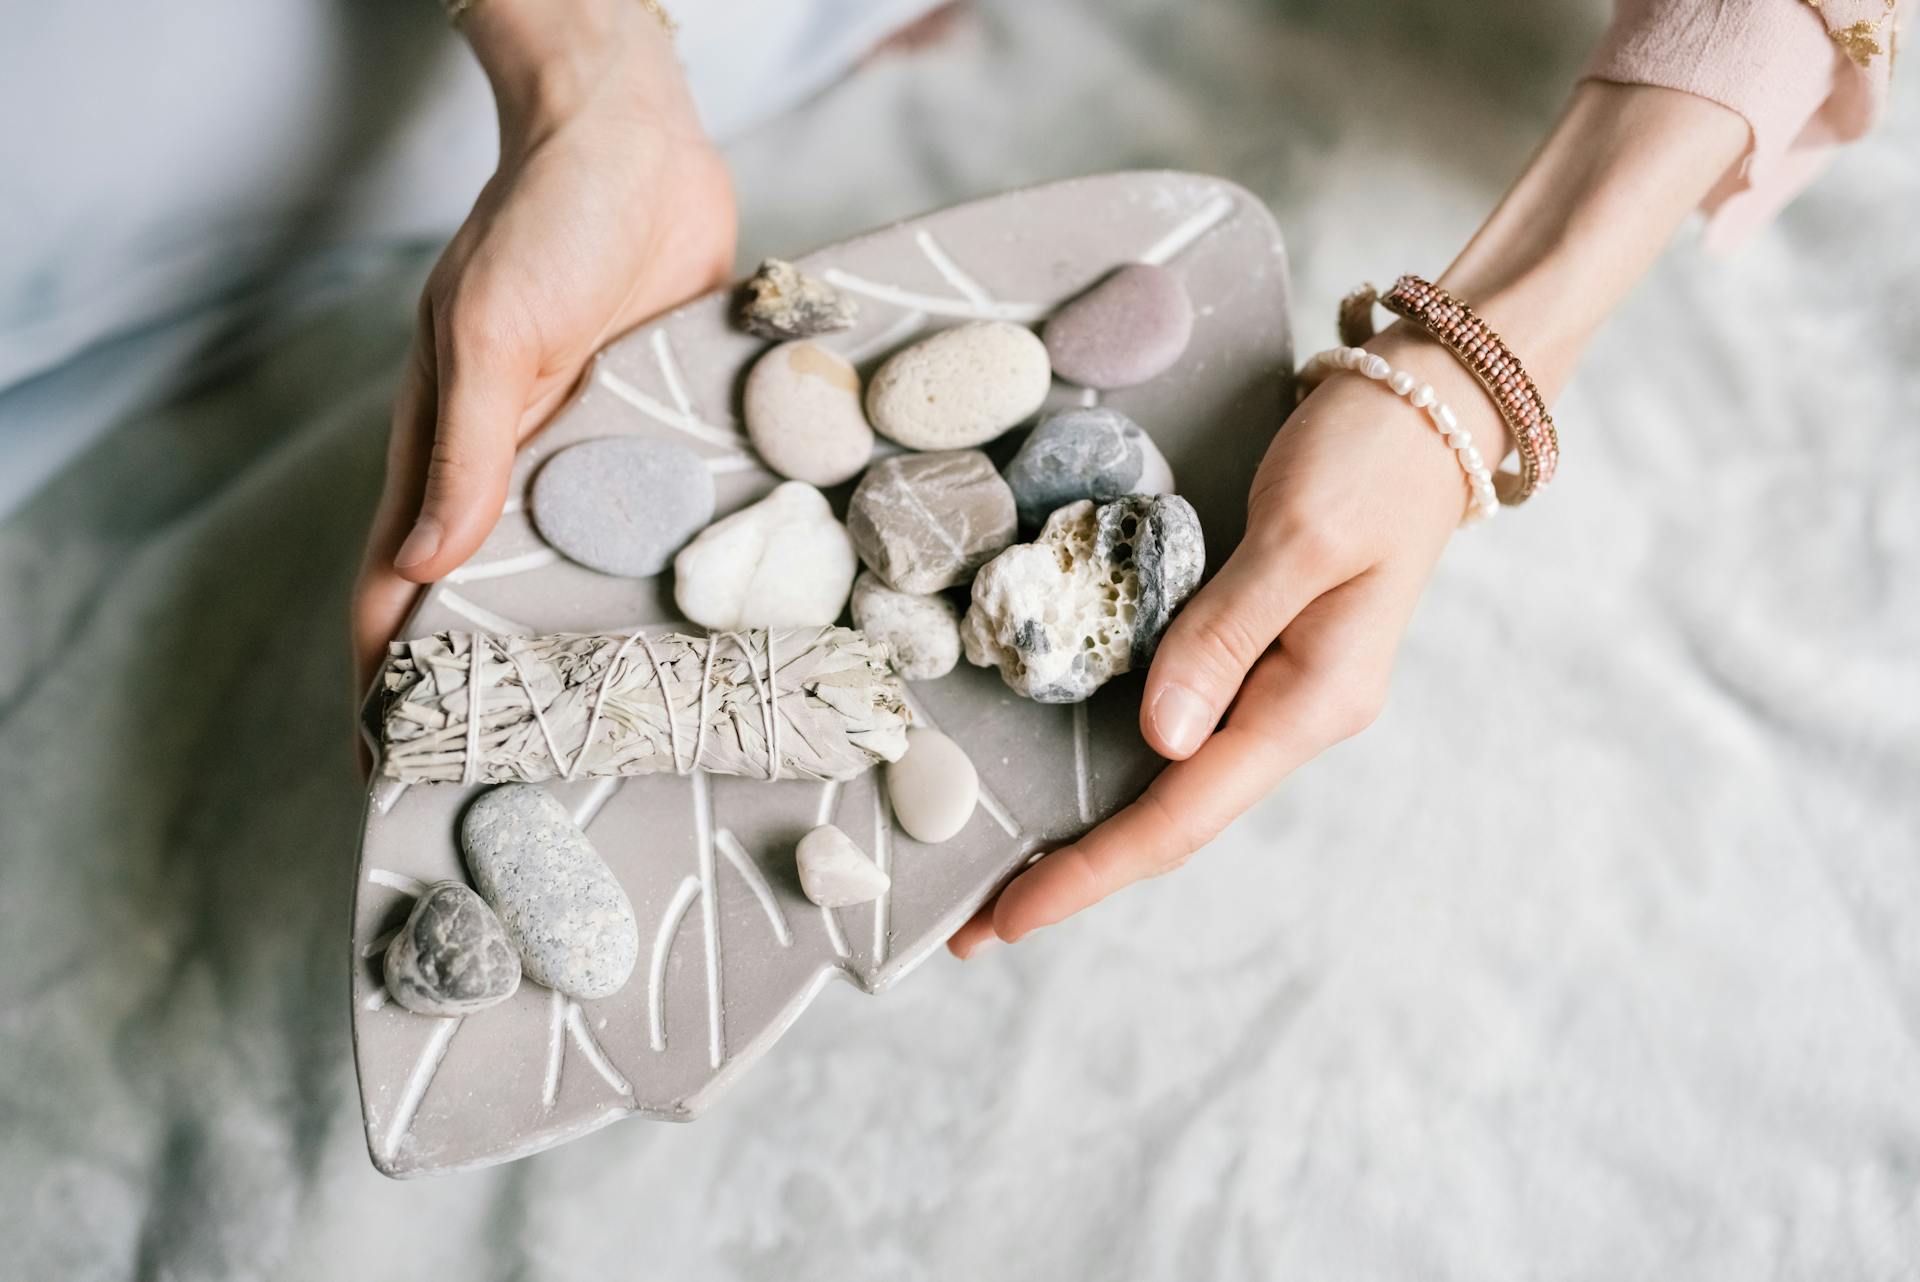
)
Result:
{"points": [[803, 410], [960, 388]]}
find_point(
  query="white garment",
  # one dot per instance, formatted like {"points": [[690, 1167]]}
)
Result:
{"points": [[158, 160]]}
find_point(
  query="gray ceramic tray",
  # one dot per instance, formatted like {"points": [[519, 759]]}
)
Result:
{"points": [[731, 952]]}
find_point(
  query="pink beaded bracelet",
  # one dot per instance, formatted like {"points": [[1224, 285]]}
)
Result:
{"points": [[1453, 324]]}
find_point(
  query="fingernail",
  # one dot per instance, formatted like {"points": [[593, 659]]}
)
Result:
{"points": [[421, 544], [986, 945], [1181, 718]]}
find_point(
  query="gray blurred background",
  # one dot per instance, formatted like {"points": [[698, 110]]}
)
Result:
{"points": [[1597, 957]]}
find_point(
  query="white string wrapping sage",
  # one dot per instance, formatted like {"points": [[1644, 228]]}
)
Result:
{"points": [[802, 703]]}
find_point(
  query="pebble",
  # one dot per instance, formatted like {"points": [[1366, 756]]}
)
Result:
{"points": [[963, 386], [933, 787], [1095, 453], [835, 873], [802, 406], [561, 905], [1130, 327], [921, 630], [784, 302], [1089, 600], [924, 522], [783, 562], [453, 956], [622, 504]]}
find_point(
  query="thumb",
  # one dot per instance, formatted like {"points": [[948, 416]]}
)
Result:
{"points": [[485, 383], [1214, 639]]}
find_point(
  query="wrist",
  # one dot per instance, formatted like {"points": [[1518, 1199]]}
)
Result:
{"points": [[549, 61], [1622, 169]]}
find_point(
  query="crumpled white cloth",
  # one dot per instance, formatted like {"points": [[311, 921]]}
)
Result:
{"points": [[1597, 957]]}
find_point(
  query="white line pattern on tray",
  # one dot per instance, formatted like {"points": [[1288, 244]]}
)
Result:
{"points": [[502, 567], [1089, 397], [387, 792], [498, 624], [829, 802], [396, 881], [556, 1046], [883, 859], [1082, 763], [666, 415], [670, 372], [898, 332], [709, 914], [424, 1069], [683, 897], [1182, 237], [835, 936], [930, 304], [967, 287], [379, 945], [756, 882], [595, 800], [595, 1053], [377, 999]]}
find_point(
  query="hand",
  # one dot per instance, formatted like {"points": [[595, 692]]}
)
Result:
{"points": [[1294, 637], [609, 206], [1292, 640]]}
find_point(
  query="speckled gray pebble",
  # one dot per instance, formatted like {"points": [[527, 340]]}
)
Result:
{"points": [[924, 522], [1129, 328], [561, 905], [1089, 599], [622, 504], [784, 302], [453, 956], [1095, 453], [922, 630]]}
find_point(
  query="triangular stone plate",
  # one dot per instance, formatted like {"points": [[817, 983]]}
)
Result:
{"points": [[731, 952]]}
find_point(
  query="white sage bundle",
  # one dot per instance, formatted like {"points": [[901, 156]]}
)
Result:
{"points": [[805, 703]]}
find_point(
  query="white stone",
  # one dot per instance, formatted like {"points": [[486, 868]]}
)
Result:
{"points": [[803, 412], [835, 873], [933, 787], [923, 632], [960, 388], [784, 562]]}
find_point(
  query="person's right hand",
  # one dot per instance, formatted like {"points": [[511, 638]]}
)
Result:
{"points": [[609, 206]]}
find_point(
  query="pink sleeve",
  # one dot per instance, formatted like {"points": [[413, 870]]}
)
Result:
{"points": [[1805, 75]]}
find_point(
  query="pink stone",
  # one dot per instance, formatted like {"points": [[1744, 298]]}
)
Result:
{"points": [[1127, 329]]}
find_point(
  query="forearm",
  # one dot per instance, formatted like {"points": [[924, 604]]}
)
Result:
{"points": [[1623, 168], [548, 60]]}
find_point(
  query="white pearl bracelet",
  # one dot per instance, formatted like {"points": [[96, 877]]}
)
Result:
{"points": [[1482, 503]]}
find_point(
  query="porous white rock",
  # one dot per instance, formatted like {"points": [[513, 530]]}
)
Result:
{"points": [[566, 913], [922, 630], [804, 417], [962, 387], [835, 873], [1089, 599], [933, 787], [783, 562]]}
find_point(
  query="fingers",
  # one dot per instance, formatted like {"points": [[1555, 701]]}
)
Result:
{"points": [[485, 381], [1324, 683], [1218, 635]]}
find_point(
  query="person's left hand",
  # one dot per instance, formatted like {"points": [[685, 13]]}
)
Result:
{"points": [[1292, 640]]}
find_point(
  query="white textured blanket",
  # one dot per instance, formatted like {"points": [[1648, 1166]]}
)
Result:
{"points": [[1598, 957]]}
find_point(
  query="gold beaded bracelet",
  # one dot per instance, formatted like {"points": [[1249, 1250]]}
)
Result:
{"points": [[458, 9]]}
